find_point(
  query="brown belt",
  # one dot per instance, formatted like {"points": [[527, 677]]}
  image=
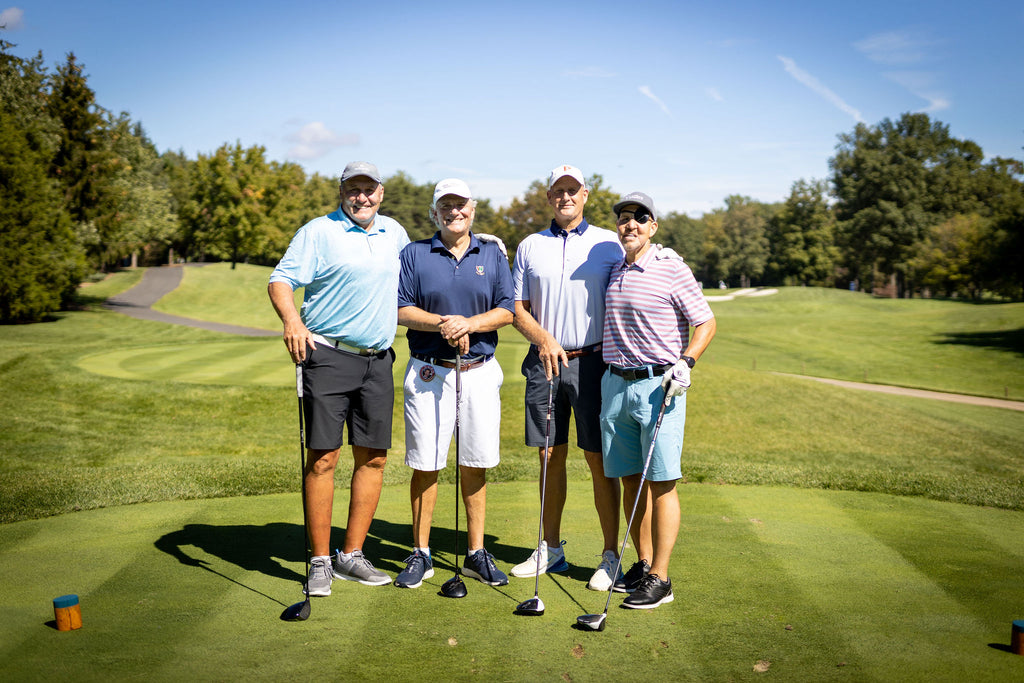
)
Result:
{"points": [[466, 365], [584, 351]]}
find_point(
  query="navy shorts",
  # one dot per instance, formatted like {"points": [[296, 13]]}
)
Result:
{"points": [[342, 388], [577, 391]]}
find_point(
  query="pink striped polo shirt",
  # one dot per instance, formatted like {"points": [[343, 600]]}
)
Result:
{"points": [[649, 307]]}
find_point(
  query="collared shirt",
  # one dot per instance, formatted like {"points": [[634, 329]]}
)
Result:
{"points": [[563, 275], [650, 307], [432, 279], [350, 275]]}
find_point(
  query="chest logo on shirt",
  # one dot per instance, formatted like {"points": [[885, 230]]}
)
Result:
{"points": [[427, 373], [479, 270]]}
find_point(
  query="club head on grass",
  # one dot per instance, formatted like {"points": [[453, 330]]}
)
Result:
{"points": [[454, 588], [534, 607], [591, 622], [297, 612]]}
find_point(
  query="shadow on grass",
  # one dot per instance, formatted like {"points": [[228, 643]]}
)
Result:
{"points": [[256, 548], [1002, 340]]}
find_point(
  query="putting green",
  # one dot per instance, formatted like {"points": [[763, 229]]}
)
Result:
{"points": [[810, 585], [245, 361]]}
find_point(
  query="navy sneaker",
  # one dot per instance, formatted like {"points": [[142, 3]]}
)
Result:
{"points": [[651, 592], [631, 581], [480, 565], [418, 566]]}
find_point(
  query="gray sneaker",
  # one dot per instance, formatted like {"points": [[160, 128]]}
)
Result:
{"points": [[358, 568], [318, 583]]}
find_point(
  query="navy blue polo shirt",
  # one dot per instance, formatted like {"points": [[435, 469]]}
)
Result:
{"points": [[432, 279]]}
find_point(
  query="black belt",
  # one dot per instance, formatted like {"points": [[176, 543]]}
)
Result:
{"points": [[643, 372], [469, 364]]}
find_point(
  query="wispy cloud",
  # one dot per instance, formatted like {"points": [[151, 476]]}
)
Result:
{"points": [[646, 92], [12, 18], [907, 49], [820, 88], [921, 84], [314, 140], [589, 72], [895, 47], [714, 94]]}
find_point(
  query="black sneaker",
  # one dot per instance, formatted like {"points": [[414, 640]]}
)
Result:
{"points": [[651, 592], [631, 580]]}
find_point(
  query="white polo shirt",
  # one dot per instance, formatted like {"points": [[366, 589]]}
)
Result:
{"points": [[563, 275]]}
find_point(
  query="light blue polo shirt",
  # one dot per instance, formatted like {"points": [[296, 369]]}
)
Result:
{"points": [[350, 275], [564, 276]]}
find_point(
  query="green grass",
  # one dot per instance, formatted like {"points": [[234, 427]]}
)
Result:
{"points": [[218, 293], [817, 585], [100, 409], [949, 346], [820, 534]]}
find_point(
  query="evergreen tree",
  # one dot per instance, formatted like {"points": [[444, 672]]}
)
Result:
{"points": [[40, 262], [83, 163]]}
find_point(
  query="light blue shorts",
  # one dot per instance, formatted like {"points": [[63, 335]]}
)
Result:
{"points": [[629, 411]]}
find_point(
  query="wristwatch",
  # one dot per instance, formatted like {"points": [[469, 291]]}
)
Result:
{"points": [[689, 361]]}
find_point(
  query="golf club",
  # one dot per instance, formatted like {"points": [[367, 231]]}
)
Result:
{"points": [[454, 587], [534, 607], [300, 610], [595, 622]]}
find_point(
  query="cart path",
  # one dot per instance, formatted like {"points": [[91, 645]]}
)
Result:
{"points": [[917, 393], [155, 284]]}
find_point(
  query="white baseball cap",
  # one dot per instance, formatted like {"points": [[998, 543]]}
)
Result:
{"points": [[451, 186], [562, 171]]}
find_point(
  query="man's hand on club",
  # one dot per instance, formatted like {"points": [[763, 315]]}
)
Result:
{"points": [[676, 381]]}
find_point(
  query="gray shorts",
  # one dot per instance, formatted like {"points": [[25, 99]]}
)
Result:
{"points": [[342, 388], [577, 390]]}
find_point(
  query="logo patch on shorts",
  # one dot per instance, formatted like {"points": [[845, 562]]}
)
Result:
{"points": [[427, 373], [479, 270]]}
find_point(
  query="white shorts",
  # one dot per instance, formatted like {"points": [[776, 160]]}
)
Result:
{"points": [[430, 415]]}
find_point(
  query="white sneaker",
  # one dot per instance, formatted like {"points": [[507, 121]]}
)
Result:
{"points": [[602, 579], [551, 560]]}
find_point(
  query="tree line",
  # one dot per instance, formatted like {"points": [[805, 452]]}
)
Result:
{"points": [[907, 209]]}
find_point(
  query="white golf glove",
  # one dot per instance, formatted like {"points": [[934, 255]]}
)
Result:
{"points": [[676, 381], [494, 239]]}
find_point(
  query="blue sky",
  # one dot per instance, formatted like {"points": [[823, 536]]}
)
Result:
{"points": [[689, 102]]}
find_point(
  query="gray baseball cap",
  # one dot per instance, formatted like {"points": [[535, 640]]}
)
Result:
{"points": [[358, 168], [636, 198]]}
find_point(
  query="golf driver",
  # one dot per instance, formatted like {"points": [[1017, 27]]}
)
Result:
{"points": [[454, 587], [300, 610], [534, 607], [595, 622]]}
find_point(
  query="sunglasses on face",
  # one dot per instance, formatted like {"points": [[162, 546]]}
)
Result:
{"points": [[641, 216]]}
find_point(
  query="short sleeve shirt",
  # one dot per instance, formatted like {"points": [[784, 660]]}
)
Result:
{"points": [[432, 279], [350, 277], [563, 275], [650, 306]]}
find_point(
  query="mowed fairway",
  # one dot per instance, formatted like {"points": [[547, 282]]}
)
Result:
{"points": [[827, 534], [812, 585]]}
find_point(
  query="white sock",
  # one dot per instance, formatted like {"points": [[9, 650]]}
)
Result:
{"points": [[425, 551], [325, 558]]}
